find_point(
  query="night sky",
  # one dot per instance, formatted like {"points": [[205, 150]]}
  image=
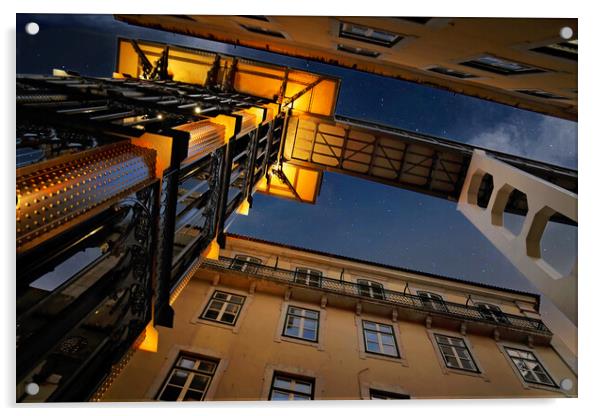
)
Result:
{"points": [[354, 217]]}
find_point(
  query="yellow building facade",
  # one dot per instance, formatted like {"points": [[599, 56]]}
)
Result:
{"points": [[266, 321]]}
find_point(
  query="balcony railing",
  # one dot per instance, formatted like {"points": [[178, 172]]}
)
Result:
{"points": [[450, 309]]}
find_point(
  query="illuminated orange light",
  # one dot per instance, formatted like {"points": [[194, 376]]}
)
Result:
{"points": [[243, 209], [257, 112], [228, 122], [306, 182], [151, 339], [161, 144], [212, 251]]}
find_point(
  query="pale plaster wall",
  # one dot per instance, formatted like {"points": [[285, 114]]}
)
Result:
{"points": [[340, 369]]}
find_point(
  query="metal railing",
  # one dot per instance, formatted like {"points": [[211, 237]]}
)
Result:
{"points": [[436, 307]]}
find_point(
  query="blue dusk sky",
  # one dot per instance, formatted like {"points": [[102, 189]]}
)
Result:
{"points": [[354, 217]]}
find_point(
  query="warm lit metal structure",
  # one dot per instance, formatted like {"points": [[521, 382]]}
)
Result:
{"points": [[124, 184]]}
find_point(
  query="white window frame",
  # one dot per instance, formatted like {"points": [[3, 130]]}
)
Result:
{"points": [[366, 36], [279, 335], [371, 289], [304, 276], [173, 354], [432, 301], [293, 371], [303, 319], [365, 354], [247, 263], [380, 334], [223, 309], [491, 312], [526, 383], [447, 341], [539, 70], [451, 370], [294, 378], [192, 372], [199, 320]]}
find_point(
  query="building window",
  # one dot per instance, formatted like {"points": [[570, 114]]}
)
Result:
{"points": [[285, 387], [529, 367], [223, 307], [188, 379], [308, 277], [432, 301], [371, 289], [379, 339], [492, 313], [455, 353], [451, 72], [358, 51], [245, 263], [369, 35], [567, 50], [386, 395], [301, 323], [542, 94], [501, 66], [263, 31]]}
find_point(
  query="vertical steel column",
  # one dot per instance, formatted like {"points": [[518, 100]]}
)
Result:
{"points": [[283, 136], [268, 149], [168, 201], [224, 188], [250, 174], [167, 220]]}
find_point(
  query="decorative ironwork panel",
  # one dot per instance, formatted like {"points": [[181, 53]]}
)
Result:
{"points": [[167, 212], [196, 217], [455, 310], [87, 300]]}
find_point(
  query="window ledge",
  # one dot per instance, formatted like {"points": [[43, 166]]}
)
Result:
{"points": [[313, 344], [201, 321], [399, 360]]}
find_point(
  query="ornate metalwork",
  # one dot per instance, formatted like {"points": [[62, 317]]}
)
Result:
{"points": [[391, 297], [207, 228], [92, 319], [167, 208], [215, 185], [249, 168]]}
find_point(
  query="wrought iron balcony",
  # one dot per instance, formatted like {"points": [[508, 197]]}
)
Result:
{"points": [[374, 294]]}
